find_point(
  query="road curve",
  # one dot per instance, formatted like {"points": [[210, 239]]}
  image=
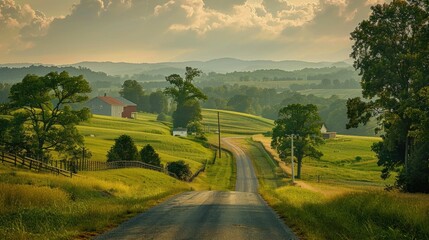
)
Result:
{"points": [[242, 214]]}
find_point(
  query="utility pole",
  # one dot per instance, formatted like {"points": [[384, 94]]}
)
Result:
{"points": [[218, 130], [291, 158]]}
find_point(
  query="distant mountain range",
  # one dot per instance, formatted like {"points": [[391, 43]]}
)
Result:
{"points": [[222, 65]]}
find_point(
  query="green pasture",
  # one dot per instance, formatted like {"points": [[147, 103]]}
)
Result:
{"points": [[100, 133], [235, 123], [349, 202]]}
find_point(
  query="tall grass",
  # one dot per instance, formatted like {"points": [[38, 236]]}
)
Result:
{"points": [[41, 206], [219, 175], [344, 206]]}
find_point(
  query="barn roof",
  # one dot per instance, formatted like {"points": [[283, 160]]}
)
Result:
{"points": [[111, 101], [126, 102]]}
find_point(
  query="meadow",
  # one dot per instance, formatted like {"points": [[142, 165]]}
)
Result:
{"points": [[347, 200], [340, 196], [44, 206], [101, 131], [235, 123]]}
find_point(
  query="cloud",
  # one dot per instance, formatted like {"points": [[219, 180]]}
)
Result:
{"points": [[19, 25], [163, 30]]}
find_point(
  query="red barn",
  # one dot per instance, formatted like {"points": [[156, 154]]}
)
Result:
{"points": [[129, 107]]}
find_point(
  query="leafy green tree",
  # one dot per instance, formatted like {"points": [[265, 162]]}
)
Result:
{"points": [[186, 96], [131, 90], [188, 113], [124, 149], [158, 102], [241, 103], [149, 156], [42, 117], [303, 121], [181, 169], [391, 52]]}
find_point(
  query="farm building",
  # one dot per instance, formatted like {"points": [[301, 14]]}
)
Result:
{"points": [[111, 106], [182, 132], [129, 107], [326, 134]]}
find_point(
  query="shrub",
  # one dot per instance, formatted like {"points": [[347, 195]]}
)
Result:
{"points": [[181, 169], [162, 117], [123, 149], [149, 156]]}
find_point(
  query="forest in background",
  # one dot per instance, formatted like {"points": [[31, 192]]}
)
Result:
{"points": [[245, 91]]}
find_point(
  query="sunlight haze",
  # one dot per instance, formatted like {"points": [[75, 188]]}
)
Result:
{"points": [[69, 31]]}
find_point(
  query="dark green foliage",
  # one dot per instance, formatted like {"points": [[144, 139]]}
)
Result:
{"points": [[187, 113], [186, 96], [131, 90], [149, 156], [158, 102], [162, 117], [304, 122], [391, 52], [241, 103], [124, 149], [42, 117], [181, 169]]}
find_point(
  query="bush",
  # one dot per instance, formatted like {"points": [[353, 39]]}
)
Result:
{"points": [[162, 117], [123, 149], [149, 156], [181, 169]]}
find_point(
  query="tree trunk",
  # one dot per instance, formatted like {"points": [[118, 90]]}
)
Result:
{"points": [[298, 175]]}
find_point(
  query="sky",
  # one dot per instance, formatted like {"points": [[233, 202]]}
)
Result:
{"points": [[71, 31]]}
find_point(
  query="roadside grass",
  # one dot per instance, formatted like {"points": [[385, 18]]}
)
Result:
{"points": [[43, 206], [235, 123], [219, 175], [101, 131], [349, 202]]}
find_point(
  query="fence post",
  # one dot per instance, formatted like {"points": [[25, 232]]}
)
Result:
{"points": [[15, 159], [31, 163], [2, 156]]}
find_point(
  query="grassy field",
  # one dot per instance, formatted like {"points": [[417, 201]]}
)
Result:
{"points": [[100, 132], [43, 206], [234, 123], [349, 201]]}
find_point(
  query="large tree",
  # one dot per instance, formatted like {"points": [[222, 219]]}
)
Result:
{"points": [[186, 96], [391, 51], [303, 123], [43, 119]]}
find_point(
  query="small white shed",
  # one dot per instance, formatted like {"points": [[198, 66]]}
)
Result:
{"points": [[182, 132]]}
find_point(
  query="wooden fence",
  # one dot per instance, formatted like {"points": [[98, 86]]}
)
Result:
{"points": [[33, 164], [68, 168]]}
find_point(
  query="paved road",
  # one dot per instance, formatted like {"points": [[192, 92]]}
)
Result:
{"points": [[242, 214]]}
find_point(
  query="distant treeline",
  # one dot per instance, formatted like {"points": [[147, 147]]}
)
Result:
{"points": [[340, 74], [267, 103]]}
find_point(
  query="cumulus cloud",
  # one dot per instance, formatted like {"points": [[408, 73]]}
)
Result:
{"points": [[159, 30], [19, 25]]}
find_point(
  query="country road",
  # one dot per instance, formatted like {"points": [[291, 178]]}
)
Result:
{"points": [[240, 214]]}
